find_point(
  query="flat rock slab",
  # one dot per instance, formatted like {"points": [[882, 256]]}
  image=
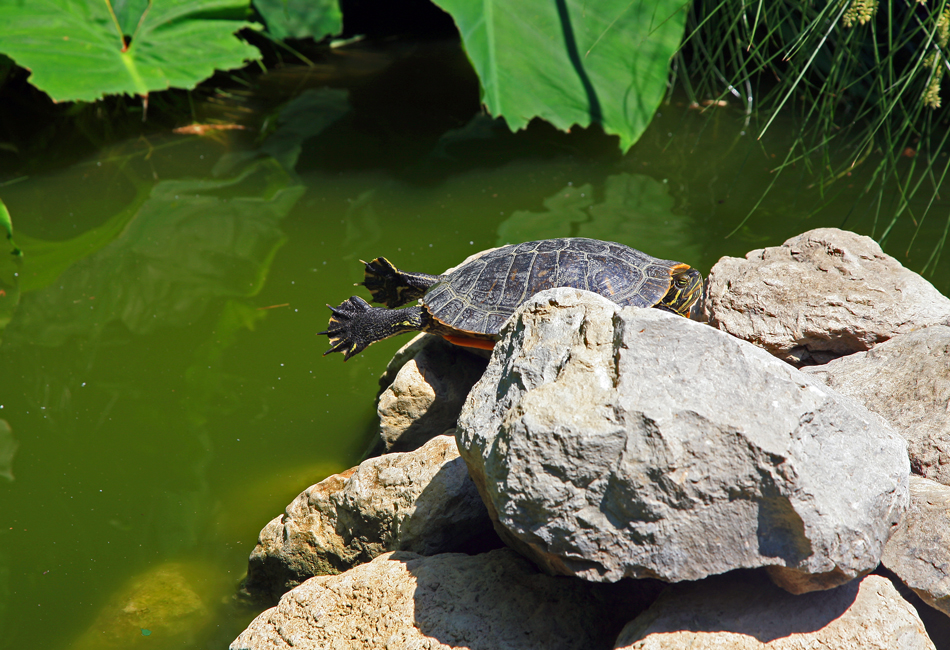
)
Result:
{"points": [[823, 294], [492, 601], [740, 613], [421, 501], [611, 443], [906, 380], [919, 551]]}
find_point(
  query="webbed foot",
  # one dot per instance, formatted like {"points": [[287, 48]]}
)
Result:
{"points": [[345, 332], [356, 324], [384, 282]]}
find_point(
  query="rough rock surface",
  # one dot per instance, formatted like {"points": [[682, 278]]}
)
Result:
{"points": [[919, 551], [610, 443], [823, 294], [907, 381], [492, 601], [425, 387], [742, 613], [421, 501]]}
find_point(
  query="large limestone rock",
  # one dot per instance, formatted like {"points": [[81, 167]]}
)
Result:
{"points": [[423, 501], [919, 551], [823, 294], [425, 386], [610, 443], [907, 381], [492, 601], [741, 613]]}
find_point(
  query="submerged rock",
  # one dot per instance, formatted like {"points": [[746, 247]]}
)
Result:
{"points": [[741, 612], [906, 380], [421, 501], [611, 443], [167, 605], [492, 601], [821, 295], [919, 551]]}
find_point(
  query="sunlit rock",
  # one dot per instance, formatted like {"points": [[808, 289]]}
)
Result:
{"points": [[907, 381], [492, 601], [741, 612], [426, 384], [611, 443], [821, 295], [919, 551], [421, 501]]}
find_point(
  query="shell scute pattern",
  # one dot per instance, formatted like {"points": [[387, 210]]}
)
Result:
{"points": [[481, 295]]}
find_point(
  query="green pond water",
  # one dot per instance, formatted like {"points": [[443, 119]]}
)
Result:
{"points": [[162, 390]]}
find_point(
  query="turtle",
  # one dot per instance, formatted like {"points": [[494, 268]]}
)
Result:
{"points": [[468, 305]]}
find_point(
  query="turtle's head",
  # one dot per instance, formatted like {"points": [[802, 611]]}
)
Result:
{"points": [[686, 287]]}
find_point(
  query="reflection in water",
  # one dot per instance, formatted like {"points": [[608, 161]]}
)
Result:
{"points": [[635, 210], [8, 447], [188, 243]]}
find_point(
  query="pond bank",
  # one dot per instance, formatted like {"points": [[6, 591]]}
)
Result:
{"points": [[620, 446]]}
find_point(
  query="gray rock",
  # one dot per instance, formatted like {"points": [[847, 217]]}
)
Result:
{"points": [[906, 380], [821, 295], [610, 443], [492, 601], [421, 501], [919, 551], [424, 387], [742, 613]]}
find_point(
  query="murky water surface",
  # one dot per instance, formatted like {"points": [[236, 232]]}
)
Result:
{"points": [[162, 390]]}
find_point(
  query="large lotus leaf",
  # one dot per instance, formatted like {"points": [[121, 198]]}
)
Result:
{"points": [[301, 18], [75, 51], [572, 61]]}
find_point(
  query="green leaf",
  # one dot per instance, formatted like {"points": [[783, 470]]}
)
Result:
{"points": [[74, 48], [572, 61], [301, 18]]}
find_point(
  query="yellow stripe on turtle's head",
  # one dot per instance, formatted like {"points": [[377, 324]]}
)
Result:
{"points": [[686, 287]]}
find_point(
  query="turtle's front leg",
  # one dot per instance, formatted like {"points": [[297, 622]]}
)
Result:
{"points": [[356, 324]]}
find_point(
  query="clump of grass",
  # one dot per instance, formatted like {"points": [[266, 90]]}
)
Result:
{"points": [[865, 76]]}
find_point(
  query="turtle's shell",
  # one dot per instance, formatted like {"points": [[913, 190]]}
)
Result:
{"points": [[479, 296]]}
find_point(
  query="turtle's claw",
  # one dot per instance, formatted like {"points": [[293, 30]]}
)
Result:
{"points": [[342, 330]]}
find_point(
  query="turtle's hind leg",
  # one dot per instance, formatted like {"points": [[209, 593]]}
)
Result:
{"points": [[392, 287], [356, 324]]}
